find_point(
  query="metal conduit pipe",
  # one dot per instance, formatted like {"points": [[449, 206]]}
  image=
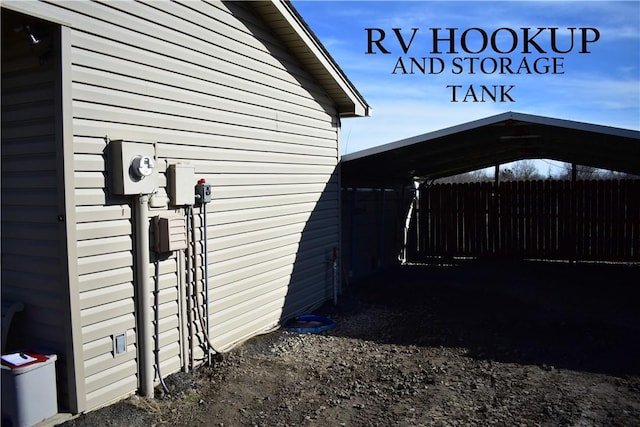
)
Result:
{"points": [[206, 277], [184, 327], [189, 266], [193, 258], [196, 291], [145, 332], [156, 309], [334, 265], [201, 317]]}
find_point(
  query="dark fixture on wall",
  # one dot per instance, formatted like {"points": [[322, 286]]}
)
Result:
{"points": [[39, 40], [33, 40]]}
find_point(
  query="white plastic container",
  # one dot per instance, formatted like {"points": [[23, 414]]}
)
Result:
{"points": [[29, 392]]}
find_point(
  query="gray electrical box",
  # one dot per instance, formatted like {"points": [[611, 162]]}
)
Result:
{"points": [[133, 170], [180, 188], [203, 192]]}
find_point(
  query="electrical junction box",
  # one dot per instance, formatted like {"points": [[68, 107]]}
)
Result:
{"points": [[180, 188], [171, 233], [133, 170], [203, 192]]}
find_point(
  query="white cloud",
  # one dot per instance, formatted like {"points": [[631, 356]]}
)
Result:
{"points": [[399, 119]]}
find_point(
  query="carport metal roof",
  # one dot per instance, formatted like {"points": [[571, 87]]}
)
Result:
{"points": [[493, 140]]}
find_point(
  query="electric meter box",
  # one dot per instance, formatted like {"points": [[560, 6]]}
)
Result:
{"points": [[180, 188], [133, 169]]}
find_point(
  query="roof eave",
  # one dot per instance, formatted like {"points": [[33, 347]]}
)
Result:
{"points": [[317, 59]]}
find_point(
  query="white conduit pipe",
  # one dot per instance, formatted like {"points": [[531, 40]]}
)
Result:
{"points": [[145, 332], [403, 256]]}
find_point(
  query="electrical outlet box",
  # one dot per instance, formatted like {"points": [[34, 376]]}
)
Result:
{"points": [[171, 233], [180, 188], [133, 168], [119, 343], [203, 193]]}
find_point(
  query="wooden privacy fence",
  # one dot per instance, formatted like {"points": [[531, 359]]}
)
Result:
{"points": [[589, 220]]}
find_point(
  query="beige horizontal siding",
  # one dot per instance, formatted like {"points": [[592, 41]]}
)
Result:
{"points": [[245, 325], [100, 279], [89, 162], [96, 214], [106, 329], [223, 125], [221, 86], [104, 246], [110, 261], [16, 214], [204, 110], [29, 145], [29, 198], [209, 85], [236, 58], [308, 155], [106, 312], [244, 240], [112, 374], [21, 180], [33, 247], [106, 361], [104, 229], [34, 164], [112, 391], [228, 225], [91, 179], [122, 291], [91, 82], [241, 203], [103, 346], [241, 304]]}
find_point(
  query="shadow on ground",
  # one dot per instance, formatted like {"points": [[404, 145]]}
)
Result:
{"points": [[583, 317]]}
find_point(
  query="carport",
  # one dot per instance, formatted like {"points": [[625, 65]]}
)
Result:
{"points": [[388, 214]]}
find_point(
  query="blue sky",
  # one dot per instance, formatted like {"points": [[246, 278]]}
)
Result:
{"points": [[601, 87]]}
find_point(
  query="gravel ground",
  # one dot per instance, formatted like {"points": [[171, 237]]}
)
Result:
{"points": [[471, 345]]}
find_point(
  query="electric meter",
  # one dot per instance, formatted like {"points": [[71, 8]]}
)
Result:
{"points": [[133, 168], [141, 166]]}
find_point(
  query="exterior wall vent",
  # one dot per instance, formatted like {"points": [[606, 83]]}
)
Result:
{"points": [[171, 233], [119, 344]]}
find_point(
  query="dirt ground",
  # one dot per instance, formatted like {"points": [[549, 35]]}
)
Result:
{"points": [[475, 344]]}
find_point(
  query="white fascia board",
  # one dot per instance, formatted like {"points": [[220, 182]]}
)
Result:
{"points": [[360, 107]]}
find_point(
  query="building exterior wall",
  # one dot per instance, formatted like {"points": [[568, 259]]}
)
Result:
{"points": [[373, 221], [35, 227], [30, 202], [209, 86]]}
